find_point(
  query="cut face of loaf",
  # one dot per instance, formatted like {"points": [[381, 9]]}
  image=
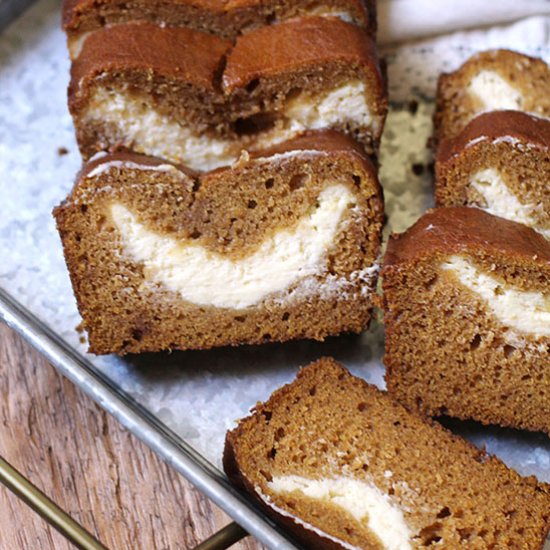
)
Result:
{"points": [[279, 247], [226, 18], [467, 317], [162, 92], [501, 163], [489, 81], [341, 465]]}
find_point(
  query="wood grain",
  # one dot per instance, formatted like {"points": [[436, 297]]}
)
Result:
{"points": [[98, 472]]}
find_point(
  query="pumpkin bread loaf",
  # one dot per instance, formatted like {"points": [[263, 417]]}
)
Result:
{"points": [[489, 81], [467, 317], [339, 464], [165, 92], [224, 18], [501, 163], [282, 245]]}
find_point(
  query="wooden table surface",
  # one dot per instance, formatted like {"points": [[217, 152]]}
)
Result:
{"points": [[92, 467]]}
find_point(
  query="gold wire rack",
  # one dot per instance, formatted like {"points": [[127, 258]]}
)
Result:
{"points": [[25, 490]]}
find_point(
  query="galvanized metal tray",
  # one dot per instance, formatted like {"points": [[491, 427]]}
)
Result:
{"points": [[181, 404]]}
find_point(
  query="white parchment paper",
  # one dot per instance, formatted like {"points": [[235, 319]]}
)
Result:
{"points": [[200, 394]]}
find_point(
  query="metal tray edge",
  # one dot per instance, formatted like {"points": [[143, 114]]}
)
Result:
{"points": [[172, 449]]}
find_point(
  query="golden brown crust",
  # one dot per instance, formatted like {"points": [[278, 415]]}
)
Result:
{"points": [[302, 43], [454, 106], [225, 18], [172, 53], [528, 129], [459, 229], [230, 212], [446, 488]]}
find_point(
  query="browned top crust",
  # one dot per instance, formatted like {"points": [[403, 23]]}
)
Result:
{"points": [[498, 124], [458, 229], [224, 17], [298, 44], [171, 52], [316, 140], [321, 141]]}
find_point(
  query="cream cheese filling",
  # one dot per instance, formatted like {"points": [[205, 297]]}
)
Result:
{"points": [[494, 92], [325, 11], [502, 202], [76, 43], [362, 500], [150, 132], [527, 312], [147, 131], [345, 104], [204, 277]]}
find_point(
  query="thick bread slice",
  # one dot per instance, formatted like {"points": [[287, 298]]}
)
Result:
{"points": [[340, 464], [282, 245]]}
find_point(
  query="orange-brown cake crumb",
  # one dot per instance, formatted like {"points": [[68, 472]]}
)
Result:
{"points": [[339, 464], [282, 245], [467, 317], [489, 81]]}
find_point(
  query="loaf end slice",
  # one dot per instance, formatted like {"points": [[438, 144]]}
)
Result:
{"points": [[313, 73], [207, 103]]}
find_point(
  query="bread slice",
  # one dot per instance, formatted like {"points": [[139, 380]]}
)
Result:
{"points": [[151, 89], [224, 18], [489, 81], [311, 73], [467, 317], [500, 162], [339, 464], [163, 91], [282, 245]]}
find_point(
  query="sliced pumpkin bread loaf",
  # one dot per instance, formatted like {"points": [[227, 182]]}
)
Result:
{"points": [[501, 163], [489, 81]]}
